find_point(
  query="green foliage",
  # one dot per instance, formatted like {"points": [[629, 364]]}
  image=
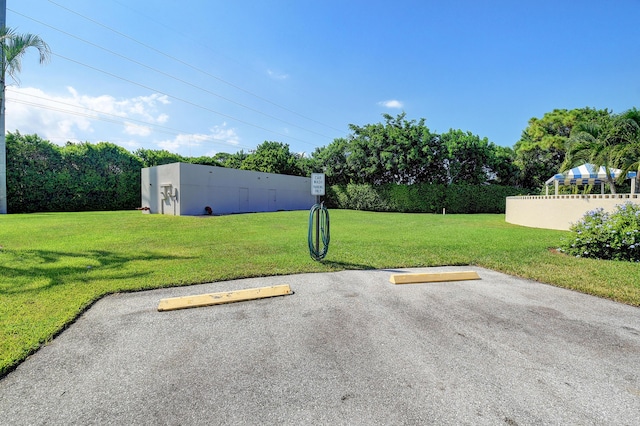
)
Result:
{"points": [[469, 158], [421, 198], [45, 177], [537, 164], [478, 198], [333, 159], [272, 157], [554, 128], [409, 164], [541, 150], [401, 151], [417, 198], [608, 236], [356, 196], [14, 47], [504, 167], [397, 151], [33, 168], [232, 161], [152, 158], [100, 177], [611, 142]]}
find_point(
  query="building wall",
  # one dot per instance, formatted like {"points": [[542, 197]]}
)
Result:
{"points": [[225, 190], [156, 192], [560, 211]]}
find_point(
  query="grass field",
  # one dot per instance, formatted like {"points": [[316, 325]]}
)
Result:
{"points": [[53, 266]]}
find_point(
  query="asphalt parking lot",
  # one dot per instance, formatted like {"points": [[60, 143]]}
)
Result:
{"points": [[345, 348]]}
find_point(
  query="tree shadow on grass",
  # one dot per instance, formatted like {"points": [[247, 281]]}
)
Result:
{"points": [[37, 270]]}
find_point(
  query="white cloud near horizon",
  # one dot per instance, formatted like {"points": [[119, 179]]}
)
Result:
{"points": [[73, 116], [391, 103], [217, 134]]}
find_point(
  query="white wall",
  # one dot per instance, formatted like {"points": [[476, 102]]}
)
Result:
{"points": [[154, 181], [560, 211], [224, 190]]}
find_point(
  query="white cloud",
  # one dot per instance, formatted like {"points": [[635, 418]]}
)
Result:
{"points": [[221, 135], [31, 110], [277, 75], [73, 116], [135, 129], [228, 135], [391, 103]]}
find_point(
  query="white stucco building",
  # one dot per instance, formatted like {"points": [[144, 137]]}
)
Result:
{"points": [[184, 189]]}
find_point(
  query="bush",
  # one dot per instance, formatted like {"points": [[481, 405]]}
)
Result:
{"points": [[609, 236], [357, 197], [421, 198], [468, 199], [417, 198]]}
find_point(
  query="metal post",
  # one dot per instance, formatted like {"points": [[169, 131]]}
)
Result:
{"points": [[318, 225], [3, 144]]}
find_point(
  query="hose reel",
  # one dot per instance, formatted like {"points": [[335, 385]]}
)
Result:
{"points": [[318, 231]]}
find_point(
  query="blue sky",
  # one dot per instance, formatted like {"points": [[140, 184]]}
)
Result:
{"points": [[198, 77]]}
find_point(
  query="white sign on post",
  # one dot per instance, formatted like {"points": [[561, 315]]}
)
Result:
{"points": [[317, 183]]}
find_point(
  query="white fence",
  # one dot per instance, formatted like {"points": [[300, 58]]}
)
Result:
{"points": [[560, 211]]}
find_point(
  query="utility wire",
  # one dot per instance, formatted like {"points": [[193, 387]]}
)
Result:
{"points": [[191, 66], [203, 138], [169, 75], [179, 99], [116, 120]]}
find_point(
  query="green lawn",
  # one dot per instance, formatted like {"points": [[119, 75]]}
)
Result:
{"points": [[53, 266]]}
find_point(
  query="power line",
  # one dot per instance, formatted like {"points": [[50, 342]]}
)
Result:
{"points": [[169, 75], [179, 99], [116, 120], [287, 136], [191, 66]]}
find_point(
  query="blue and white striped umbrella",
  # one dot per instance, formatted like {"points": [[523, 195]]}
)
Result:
{"points": [[586, 175]]}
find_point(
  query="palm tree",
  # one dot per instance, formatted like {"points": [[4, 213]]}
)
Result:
{"points": [[14, 46], [592, 142], [609, 143], [628, 154]]}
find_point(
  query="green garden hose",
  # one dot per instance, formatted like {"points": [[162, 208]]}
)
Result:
{"points": [[321, 230]]}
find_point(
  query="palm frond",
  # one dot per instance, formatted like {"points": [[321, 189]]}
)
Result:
{"points": [[15, 46]]}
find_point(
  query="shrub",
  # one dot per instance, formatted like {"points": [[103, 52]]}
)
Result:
{"points": [[361, 197], [421, 198], [417, 198], [610, 236]]}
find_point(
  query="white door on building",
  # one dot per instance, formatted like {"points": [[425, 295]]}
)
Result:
{"points": [[243, 205], [273, 204]]}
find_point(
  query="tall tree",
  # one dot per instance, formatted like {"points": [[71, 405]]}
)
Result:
{"points": [[504, 170], [627, 156], [232, 161], [152, 158], [332, 160], [470, 159], [398, 151], [610, 142], [14, 46], [541, 150], [594, 142], [272, 157]]}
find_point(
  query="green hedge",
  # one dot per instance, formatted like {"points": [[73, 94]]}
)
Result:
{"points": [[43, 177], [421, 198]]}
